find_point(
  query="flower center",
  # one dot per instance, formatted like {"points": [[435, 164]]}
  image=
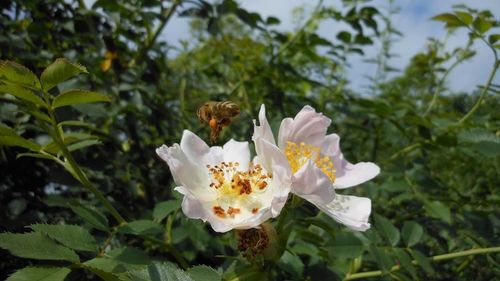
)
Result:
{"points": [[238, 192], [299, 154]]}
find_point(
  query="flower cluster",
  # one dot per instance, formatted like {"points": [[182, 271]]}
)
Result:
{"points": [[223, 186]]}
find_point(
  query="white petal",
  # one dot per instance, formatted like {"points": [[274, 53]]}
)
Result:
{"points": [[185, 172], [264, 129], [310, 183], [236, 151], [351, 211], [193, 208], [198, 151], [308, 126], [356, 174], [272, 158], [347, 174]]}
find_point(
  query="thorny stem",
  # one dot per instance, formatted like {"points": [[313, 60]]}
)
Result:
{"points": [[433, 258]]}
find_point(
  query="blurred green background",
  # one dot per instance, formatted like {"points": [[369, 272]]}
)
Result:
{"points": [[440, 172]]}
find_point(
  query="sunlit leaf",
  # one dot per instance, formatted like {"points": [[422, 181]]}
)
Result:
{"points": [[18, 74], [22, 93], [59, 71], [73, 97], [438, 210]]}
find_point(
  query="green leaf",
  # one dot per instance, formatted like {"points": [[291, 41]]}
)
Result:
{"points": [[22, 93], [482, 25], [141, 227], [36, 246], [382, 258], [71, 236], [18, 74], [344, 36], [40, 274], [481, 140], [387, 229], [59, 71], [464, 17], [94, 218], [163, 209], [36, 155], [438, 210], [120, 260], [72, 97], [106, 276], [82, 144], [406, 261], [6, 130], [346, 245], [19, 141], [160, 272], [412, 233], [423, 261], [451, 20], [494, 38], [70, 139], [204, 273]]}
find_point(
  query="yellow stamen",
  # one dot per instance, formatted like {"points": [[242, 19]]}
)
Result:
{"points": [[298, 155]]}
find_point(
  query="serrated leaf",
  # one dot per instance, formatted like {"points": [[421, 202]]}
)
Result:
{"points": [[73, 97], [423, 261], [94, 218], [346, 245], [387, 229], [16, 73], [59, 71], [19, 141], [141, 227], [71, 236], [412, 233], [22, 93], [106, 276], [204, 273], [405, 261], [438, 210], [40, 274], [160, 272], [163, 209], [36, 246], [477, 135]]}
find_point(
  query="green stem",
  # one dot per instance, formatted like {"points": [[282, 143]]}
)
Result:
{"points": [[433, 258], [169, 248], [443, 79], [483, 93], [403, 151], [80, 175]]}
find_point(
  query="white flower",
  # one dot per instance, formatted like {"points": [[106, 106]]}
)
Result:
{"points": [[220, 184], [318, 165]]}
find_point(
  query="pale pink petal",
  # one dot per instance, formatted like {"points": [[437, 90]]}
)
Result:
{"points": [[308, 126], [351, 211], [310, 183], [236, 151], [347, 174], [264, 129]]}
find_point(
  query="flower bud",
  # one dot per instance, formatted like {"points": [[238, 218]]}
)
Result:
{"points": [[260, 243]]}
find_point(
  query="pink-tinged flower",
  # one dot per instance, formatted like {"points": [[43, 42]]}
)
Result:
{"points": [[222, 186], [318, 165]]}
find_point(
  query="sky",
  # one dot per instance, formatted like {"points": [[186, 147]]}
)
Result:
{"points": [[413, 20]]}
